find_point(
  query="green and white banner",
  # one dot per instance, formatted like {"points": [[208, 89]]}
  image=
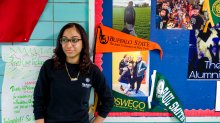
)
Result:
{"points": [[162, 92], [213, 9]]}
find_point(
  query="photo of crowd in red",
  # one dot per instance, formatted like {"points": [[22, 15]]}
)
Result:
{"points": [[180, 14]]}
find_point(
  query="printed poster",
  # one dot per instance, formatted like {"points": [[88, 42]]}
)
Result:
{"points": [[130, 73], [204, 60], [23, 64]]}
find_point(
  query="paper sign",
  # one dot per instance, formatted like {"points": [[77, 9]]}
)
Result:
{"points": [[217, 103], [23, 64]]}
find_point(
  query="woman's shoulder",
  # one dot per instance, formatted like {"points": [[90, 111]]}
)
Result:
{"points": [[94, 68], [48, 63]]}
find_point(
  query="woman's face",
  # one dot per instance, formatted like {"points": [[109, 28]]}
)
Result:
{"points": [[73, 46]]}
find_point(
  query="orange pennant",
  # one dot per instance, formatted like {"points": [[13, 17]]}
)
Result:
{"points": [[110, 40]]}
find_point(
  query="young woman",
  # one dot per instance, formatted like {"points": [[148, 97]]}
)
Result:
{"points": [[63, 87], [125, 78]]}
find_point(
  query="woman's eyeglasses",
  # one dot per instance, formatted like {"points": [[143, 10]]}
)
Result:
{"points": [[72, 41]]}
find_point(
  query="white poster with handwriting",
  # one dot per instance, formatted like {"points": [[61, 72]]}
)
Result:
{"points": [[23, 64]]}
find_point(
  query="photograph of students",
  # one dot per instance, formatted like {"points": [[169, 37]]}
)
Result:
{"points": [[132, 79], [180, 14]]}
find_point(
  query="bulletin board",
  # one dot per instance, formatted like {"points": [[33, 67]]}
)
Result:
{"points": [[197, 96]]}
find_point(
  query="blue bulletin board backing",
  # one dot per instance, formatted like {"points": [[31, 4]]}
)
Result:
{"points": [[193, 94]]}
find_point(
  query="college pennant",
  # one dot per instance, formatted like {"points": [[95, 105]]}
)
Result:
{"points": [[123, 103], [162, 92], [18, 19], [212, 7], [110, 40]]}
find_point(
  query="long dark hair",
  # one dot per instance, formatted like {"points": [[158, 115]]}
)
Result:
{"points": [[60, 57]]}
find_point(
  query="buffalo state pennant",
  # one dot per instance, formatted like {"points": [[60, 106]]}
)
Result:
{"points": [[18, 19], [110, 40]]}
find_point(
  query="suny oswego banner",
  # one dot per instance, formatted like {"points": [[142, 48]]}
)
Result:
{"points": [[110, 40]]}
